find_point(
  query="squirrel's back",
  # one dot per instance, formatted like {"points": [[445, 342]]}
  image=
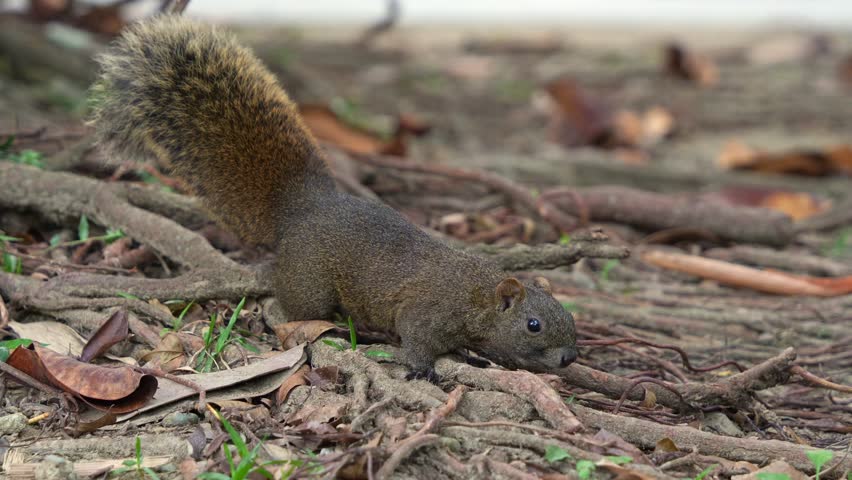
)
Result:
{"points": [[199, 103]]}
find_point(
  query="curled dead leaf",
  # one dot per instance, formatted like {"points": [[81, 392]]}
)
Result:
{"points": [[113, 330], [114, 389], [293, 381]]}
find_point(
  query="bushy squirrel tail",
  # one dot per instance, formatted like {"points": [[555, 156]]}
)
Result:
{"points": [[192, 98]]}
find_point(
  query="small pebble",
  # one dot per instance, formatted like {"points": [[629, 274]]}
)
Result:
{"points": [[12, 424], [180, 419], [54, 467]]}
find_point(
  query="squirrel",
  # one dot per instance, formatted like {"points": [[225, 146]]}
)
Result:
{"points": [[193, 99]]}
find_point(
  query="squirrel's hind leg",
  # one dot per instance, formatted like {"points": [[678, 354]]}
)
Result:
{"points": [[305, 298]]}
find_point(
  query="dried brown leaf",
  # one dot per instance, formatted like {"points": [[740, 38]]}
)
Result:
{"points": [[666, 445], [797, 205], [114, 330], [579, 118], [831, 160], [26, 360], [114, 389], [683, 63], [295, 333], [169, 354], [293, 381], [324, 376]]}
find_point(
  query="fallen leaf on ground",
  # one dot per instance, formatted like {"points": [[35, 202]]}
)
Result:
{"points": [[59, 337], [113, 330], [327, 126], [767, 281], [293, 381], [579, 119], [115, 389], [169, 354], [321, 414], [295, 333], [249, 381], [810, 162], [683, 63], [666, 445], [797, 205]]}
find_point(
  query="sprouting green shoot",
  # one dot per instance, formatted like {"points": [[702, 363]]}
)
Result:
{"points": [[11, 263], [83, 228], [177, 323], [377, 354], [353, 339], [248, 458], [705, 472], [24, 157], [332, 343], [555, 454], [127, 296], [608, 266], [112, 234], [571, 307], [223, 338], [564, 239], [585, 468], [819, 458], [136, 464]]}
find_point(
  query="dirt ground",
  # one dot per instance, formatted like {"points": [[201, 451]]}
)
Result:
{"points": [[681, 374]]}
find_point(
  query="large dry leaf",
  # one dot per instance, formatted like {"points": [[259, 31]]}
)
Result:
{"points": [[832, 160], [741, 276], [113, 330], [248, 381], [115, 389], [59, 337]]}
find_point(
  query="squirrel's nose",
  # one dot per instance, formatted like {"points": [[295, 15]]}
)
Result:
{"points": [[568, 357]]}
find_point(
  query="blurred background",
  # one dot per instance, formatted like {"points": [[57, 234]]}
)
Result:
{"points": [[546, 92]]}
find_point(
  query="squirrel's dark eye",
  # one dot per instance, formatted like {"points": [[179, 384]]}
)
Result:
{"points": [[534, 325]]}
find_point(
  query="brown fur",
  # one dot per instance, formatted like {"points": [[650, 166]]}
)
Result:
{"points": [[198, 102]]}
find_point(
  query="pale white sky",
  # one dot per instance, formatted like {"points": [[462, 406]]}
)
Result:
{"points": [[825, 13]]}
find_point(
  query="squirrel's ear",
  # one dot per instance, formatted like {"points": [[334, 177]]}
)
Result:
{"points": [[509, 292], [544, 284]]}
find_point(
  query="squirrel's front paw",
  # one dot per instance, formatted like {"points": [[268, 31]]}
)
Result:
{"points": [[425, 374]]}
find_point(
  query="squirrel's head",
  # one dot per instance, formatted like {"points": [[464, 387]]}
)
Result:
{"points": [[532, 330]]}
